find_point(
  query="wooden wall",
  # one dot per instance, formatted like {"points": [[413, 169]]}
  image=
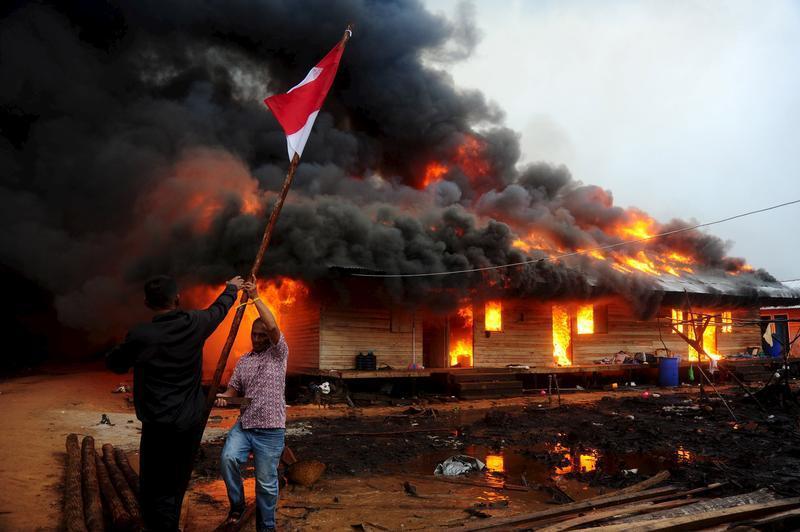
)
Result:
{"points": [[344, 331], [301, 328], [527, 336]]}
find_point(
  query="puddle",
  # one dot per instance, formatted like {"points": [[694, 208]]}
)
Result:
{"points": [[553, 464]]}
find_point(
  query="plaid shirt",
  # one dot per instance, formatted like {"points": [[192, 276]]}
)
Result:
{"points": [[262, 377]]}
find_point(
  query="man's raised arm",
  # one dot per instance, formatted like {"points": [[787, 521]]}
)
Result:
{"points": [[217, 311], [263, 311]]}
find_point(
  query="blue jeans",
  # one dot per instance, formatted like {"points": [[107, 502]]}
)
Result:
{"points": [[266, 446]]}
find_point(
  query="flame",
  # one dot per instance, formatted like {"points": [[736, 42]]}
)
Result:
{"points": [[587, 462], [461, 337], [493, 316], [684, 456], [197, 189], [642, 263], [466, 314], [469, 157], [279, 295], [533, 240], [562, 337], [639, 226], [677, 318], [585, 319], [495, 463], [434, 171], [727, 322], [709, 343]]}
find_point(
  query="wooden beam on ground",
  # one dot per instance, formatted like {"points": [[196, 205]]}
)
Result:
{"points": [[120, 518], [73, 491], [655, 480], [121, 484], [125, 466], [706, 519], [774, 518], [617, 511], [92, 505], [572, 508]]}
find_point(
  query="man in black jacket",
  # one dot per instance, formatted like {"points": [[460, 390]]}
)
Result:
{"points": [[167, 359]]}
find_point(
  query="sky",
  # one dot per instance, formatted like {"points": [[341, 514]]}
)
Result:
{"points": [[683, 109]]}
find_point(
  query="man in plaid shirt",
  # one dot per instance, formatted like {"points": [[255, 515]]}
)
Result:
{"points": [[261, 376]]}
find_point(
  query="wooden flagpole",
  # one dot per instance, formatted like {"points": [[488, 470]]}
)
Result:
{"points": [[237, 319]]}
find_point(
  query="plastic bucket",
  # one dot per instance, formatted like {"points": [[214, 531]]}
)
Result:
{"points": [[668, 371]]}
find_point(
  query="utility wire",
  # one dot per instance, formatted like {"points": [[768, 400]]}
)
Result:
{"points": [[583, 251]]}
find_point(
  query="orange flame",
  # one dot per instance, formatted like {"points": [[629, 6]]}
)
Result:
{"points": [[198, 187], [585, 319], [493, 321], [639, 226], [460, 350], [433, 172], [709, 343], [562, 338], [279, 295], [495, 463], [469, 157]]}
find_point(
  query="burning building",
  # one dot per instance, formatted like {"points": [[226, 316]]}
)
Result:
{"points": [[158, 156]]}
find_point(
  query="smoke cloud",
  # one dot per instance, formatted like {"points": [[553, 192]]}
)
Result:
{"points": [[135, 142]]}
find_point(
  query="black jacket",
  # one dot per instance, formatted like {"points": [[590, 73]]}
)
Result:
{"points": [[167, 359]]}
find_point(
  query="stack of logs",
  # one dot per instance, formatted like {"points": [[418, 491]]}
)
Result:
{"points": [[101, 489]]}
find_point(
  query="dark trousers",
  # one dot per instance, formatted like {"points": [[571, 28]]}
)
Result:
{"points": [[166, 455]]}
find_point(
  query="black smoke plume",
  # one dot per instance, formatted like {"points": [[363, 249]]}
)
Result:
{"points": [[135, 142]]}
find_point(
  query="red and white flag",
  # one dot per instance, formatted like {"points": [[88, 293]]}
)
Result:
{"points": [[297, 109]]}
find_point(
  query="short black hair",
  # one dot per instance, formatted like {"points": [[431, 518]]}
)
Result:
{"points": [[160, 292]]}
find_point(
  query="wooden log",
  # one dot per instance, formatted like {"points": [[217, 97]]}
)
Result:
{"points": [[121, 484], [655, 480], [73, 491], [618, 511], [125, 466], [706, 519], [120, 518], [572, 508], [773, 519], [92, 505]]}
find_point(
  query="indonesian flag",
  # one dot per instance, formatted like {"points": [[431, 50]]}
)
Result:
{"points": [[297, 109]]}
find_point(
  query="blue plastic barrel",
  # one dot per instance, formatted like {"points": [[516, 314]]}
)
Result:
{"points": [[668, 371]]}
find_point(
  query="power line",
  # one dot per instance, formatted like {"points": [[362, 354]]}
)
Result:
{"points": [[789, 280], [581, 252]]}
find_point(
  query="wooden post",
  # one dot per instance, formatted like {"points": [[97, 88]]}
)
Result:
{"points": [[121, 483], [120, 518], [127, 470], [92, 506], [265, 240], [73, 497]]}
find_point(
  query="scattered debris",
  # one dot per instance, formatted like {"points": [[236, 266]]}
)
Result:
{"points": [[104, 420], [459, 464]]}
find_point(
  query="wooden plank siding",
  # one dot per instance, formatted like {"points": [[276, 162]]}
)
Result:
{"points": [[527, 336], [300, 326], [346, 331]]}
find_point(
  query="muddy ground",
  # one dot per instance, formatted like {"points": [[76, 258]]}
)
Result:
{"points": [[595, 442]]}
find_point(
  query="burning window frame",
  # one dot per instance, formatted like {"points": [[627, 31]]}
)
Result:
{"points": [[726, 322], [494, 307]]}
